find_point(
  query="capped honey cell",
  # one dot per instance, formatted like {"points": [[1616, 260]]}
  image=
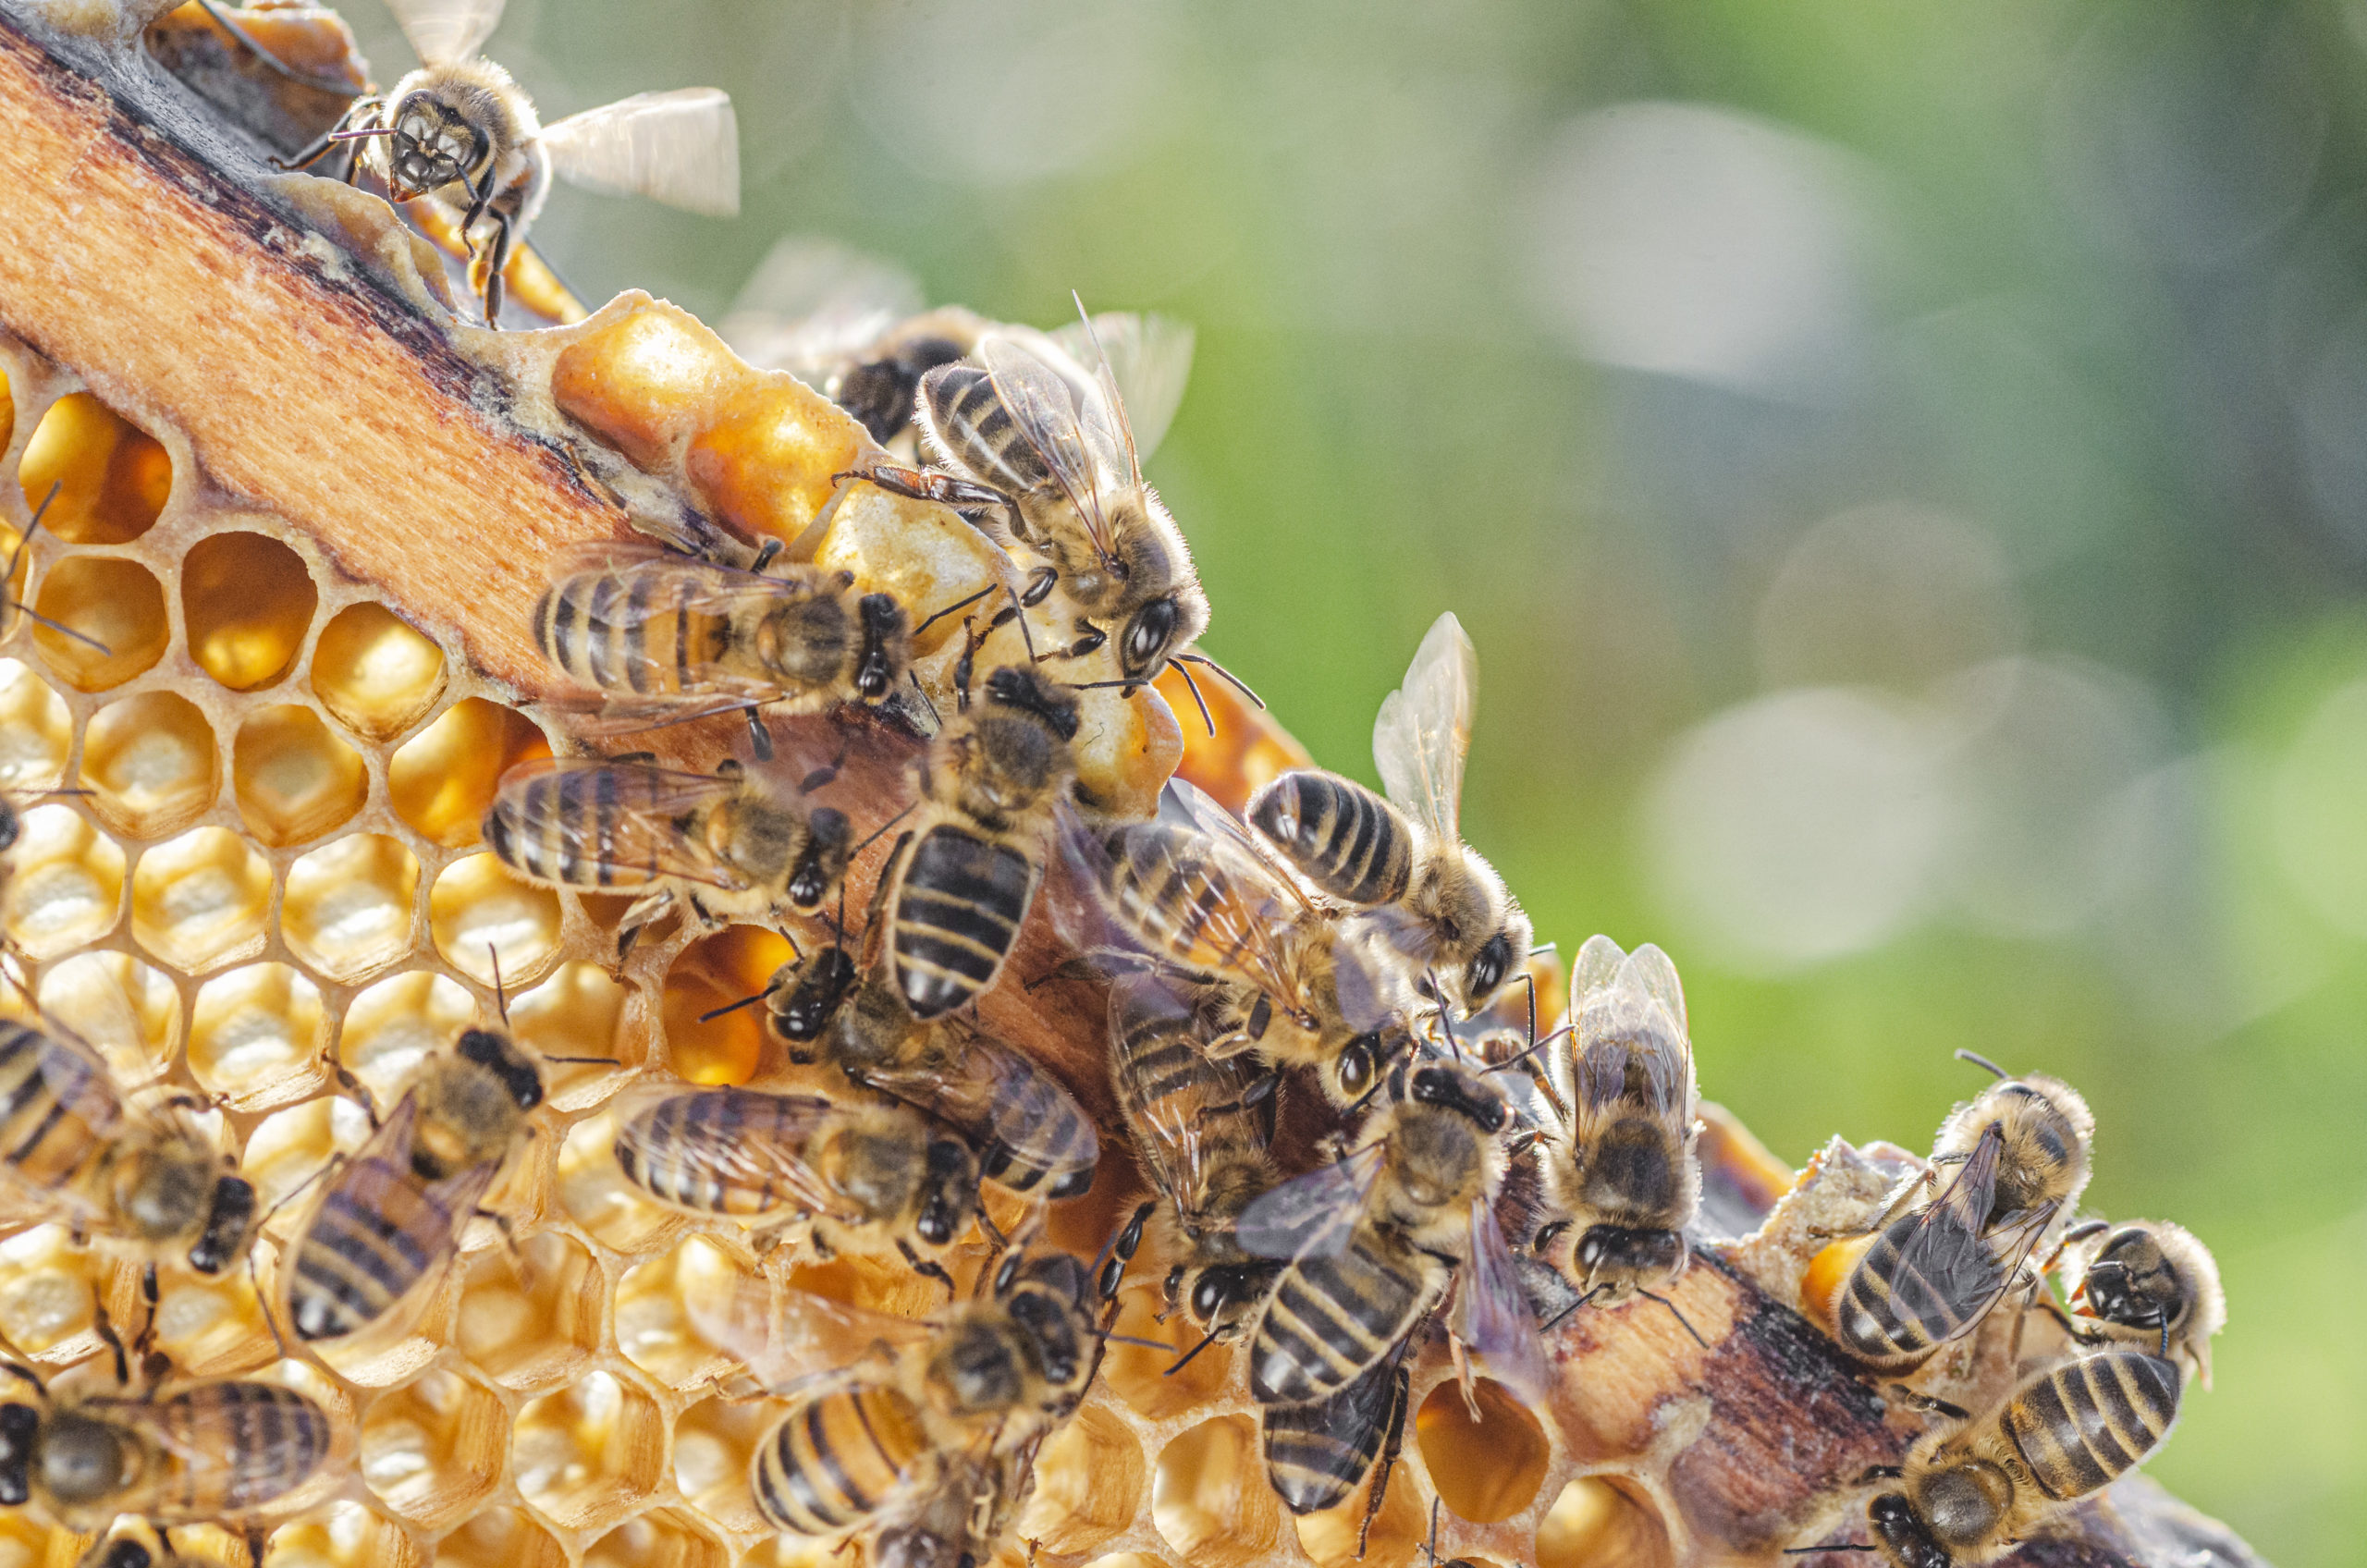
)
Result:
{"points": [[295, 780], [586, 1455], [246, 603], [201, 899], [258, 1036], [149, 763], [375, 674], [103, 621], [36, 731], [442, 778], [349, 910], [67, 883], [111, 478]]}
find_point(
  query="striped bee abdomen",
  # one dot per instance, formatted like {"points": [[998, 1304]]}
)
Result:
{"points": [[1347, 840], [1038, 1136], [958, 909], [49, 1096], [630, 630], [967, 415], [835, 1459], [2092, 1418], [1316, 1455], [689, 1150], [1897, 1308], [375, 1236], [1329, 1320], [563, 826], [1164, 889], [262, 1442]]}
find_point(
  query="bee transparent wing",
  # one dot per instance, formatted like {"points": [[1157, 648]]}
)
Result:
{"points": [[813, 302], [1944, 1252], [1491, 1314], [806, 1338], [1173, 1144], [443, 31], [1016, 1113], [681, 148], [1108, 432], [1040, 401], [1149, 358], [596, 716], [674, 1129], [1595, 968], [1423, 729], [1312, 1216], [1657, 977], [1254, 859], [638, 833], [270, 1464]]}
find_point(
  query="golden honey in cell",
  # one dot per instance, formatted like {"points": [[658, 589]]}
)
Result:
{"points": [[860, 1174], [1623, 1174], [1972, 1493], [460, 132], [1428, 897], [212, 1452], [133, 1174], [2149, 1284], [654, 637], [736, 845], [964, 874], [386, 1223]]}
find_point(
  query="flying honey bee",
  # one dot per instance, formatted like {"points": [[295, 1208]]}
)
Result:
{"points": [[140, 1178], [853, 1173], [460, 130], [1031, 1136], [961, 879], [657, 637], [1201, 1129], [1374, 1240], [386, 1223], [1432, 897], [731, 846], [1971, 1492], [1621, 1170], [1936, 1267], [1045, 448], [2148, 1283], [1202, 903], [215, 1451]]}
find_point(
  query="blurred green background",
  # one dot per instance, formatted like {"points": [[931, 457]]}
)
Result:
{"points": [[1904, 465]]}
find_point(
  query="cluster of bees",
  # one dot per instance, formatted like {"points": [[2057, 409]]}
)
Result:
{"points": [[1481, 1180]]}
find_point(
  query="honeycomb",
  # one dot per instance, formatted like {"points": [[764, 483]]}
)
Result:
{"points": [[252, 755]]}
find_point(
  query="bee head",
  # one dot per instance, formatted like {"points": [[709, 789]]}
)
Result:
{"points": [[432, 145], [19, 1427], [1907, 1540], [1222, 1294], [827, 836], [493, 1051], [81, 1461], [814, 989], [1451, 1088], [1016, 686], [884, 654], [2131, 1282], [228, 1225], [1625, 1253], [1050, 1324], [948, 1192]]}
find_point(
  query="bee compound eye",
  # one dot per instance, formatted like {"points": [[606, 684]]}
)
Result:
{"points": [[1356, 1068], [1487, 969], [1147, 635]]}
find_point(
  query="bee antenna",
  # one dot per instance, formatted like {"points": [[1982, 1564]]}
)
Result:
{"points": [[1107, 1338], [1553, 1322], [1678, 1316], [1206, 1340], [935, 717], [365, 130], [1812, 1551], [868, 840], [952, 608], [1515, 1060], [1446, 1014], [1235, 681], [713, 1014], [1193, 687], [57, 626], [500, 997], [586, 1060], [24, 540], [1430, 1547], [1543, 948], [1979, 1060], [1026, 638]]}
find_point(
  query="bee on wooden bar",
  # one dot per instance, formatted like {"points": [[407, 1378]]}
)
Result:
{"points": [[733, 846], [460, 130], [1973, 1492], [216, 1452], [135, 1174], [1374, 1240], [1621, 1170], [386, 1223], [1433, 898], [657, 637], [1201, 1129], [855, 1174], [2147, 1283], [960, 881]]}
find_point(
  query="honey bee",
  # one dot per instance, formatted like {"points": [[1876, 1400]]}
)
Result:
{"points": [[216, 1452], [1211, 913], [861, 1171], [388, 1222], [1620, 1168], [1432, 897], [1318, 1454], [1937, 1268], [960, 881], [1031, 1136], [1201, 1129], [140, 1178], [1374, 1240], [959, 1521], [127, 1551], [1973, 1492], [1047, 446], [731, 846], [2148, 1283], [658, 637], [460, 130]]}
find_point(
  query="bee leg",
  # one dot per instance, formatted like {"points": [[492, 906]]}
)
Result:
{"points": [[928, 1269], [1879, 1472], [256, 1536], [1390, 1450], [1039, 585], [765, 554], [101, 1324], [760, 738], [509, 1235], [329, 142], [1928, 1405]]}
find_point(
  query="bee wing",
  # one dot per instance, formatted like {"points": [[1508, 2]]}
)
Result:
{"points": [[1658, 977], [804, 1338], [1149, 358], [812, 303], [681, 148], [1312, 1216], [1175, 1144], [1049, 413], [1255, 861], [1017, 1113], [1423, 729], [1942, 1252], [1491, 1314], [640, 832], [441, 31], [659, 1127], [205, 1465]]}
